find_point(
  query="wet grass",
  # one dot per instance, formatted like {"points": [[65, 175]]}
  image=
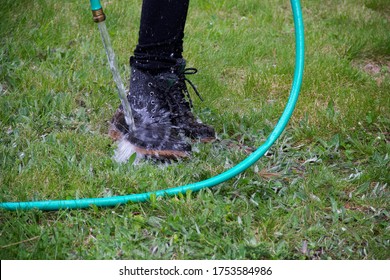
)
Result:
{"points": [[321, 192]]}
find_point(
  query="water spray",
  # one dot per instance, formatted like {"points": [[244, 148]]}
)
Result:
{"points": [[99, 17], [228, 174]]}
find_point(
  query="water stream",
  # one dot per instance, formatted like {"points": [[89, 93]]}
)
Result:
{"points": [[115, 73]]}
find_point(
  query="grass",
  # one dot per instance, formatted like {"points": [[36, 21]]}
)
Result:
{"points": [[321, 192]]}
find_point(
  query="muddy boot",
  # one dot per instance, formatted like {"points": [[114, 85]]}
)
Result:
{"points": [[181, 105], [155, 134]]}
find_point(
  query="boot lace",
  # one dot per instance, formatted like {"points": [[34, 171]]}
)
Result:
{"points": [[181, 84]]}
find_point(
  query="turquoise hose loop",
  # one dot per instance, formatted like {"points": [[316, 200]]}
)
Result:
{"points": [[242, 166], [95, 5]]}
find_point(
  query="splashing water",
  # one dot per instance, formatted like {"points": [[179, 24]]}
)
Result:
{"points": [[115, 73], [124, 151]]}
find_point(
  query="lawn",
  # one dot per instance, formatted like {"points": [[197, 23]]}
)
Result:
{"points": [[321, 192]]}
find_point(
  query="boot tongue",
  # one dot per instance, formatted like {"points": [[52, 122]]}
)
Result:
{"points": [[167, 80], [175, 72], [180, 66]]}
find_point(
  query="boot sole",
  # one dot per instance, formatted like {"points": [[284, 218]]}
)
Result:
{"points": [[205, 140], [117, 135], [166, 154]]}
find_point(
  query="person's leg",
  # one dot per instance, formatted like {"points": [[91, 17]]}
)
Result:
{"points": [[160, 43], [161, 35], [159, 49], [158, 91]]}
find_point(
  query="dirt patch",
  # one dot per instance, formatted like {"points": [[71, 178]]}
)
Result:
{"points": [[380, 6], [379, 70]]}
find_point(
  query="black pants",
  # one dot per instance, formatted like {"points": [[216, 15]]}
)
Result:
{"points": [[161, 34]]}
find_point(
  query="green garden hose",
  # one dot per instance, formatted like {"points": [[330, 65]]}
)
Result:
{"points": [[228, 174]]}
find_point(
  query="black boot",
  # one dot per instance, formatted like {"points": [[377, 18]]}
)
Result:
{"points": [[181, 105], [155, 134]]}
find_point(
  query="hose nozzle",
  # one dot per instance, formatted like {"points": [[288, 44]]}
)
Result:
{"points": [[98, 15], [97, 11]]}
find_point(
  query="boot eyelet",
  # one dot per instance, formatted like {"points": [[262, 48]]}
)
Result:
{"points": [[151, 93], [150, 84], [152, 102]]}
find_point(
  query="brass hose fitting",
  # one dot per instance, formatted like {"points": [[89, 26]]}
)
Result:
{"points": [[98, 15]]}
